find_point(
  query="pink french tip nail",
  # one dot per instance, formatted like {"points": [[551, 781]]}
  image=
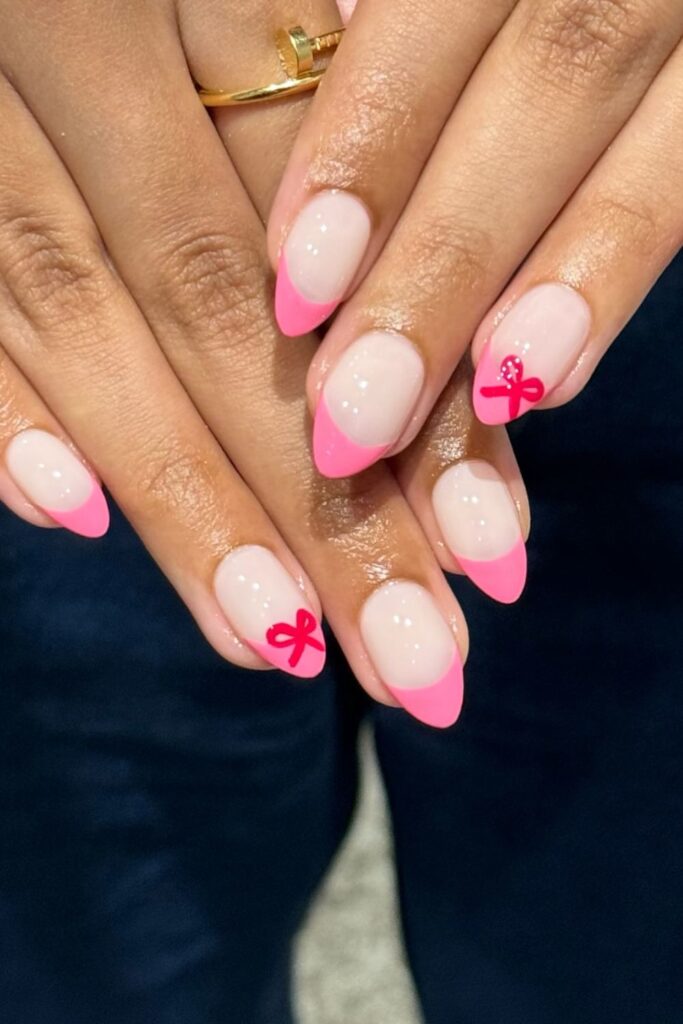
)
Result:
{"points": [[438, 705], [269, 611], [295, 315], [335, 454], [91, 519], [479, 522], [366, 404], [531, 351], [56, 481], [320, 258], [413, 651], [501, 578]]}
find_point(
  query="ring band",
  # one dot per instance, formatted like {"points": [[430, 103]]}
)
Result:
{"points": [[300, 57]]}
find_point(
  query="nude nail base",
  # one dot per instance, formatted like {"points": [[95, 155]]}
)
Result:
{"points": [[268, 611], [55, 481]]}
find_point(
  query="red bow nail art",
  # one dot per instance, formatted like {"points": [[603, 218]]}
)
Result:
{"points": [[298, 636], [516, 387]]}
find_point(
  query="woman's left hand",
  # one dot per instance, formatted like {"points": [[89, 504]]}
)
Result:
{"points": [[451, 141]]}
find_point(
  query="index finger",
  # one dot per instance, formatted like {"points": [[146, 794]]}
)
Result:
{"points": [[382, 104]]}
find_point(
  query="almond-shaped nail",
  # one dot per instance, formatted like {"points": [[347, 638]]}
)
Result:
{"points": [[267, 609], [56, 481], [366, 403], [413, 651], [530, 352], [479, 522], [319, 260]]}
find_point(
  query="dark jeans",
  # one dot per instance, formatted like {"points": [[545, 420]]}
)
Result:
{"points": [[166, 817]]}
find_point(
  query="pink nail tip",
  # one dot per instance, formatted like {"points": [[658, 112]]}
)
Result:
{"points": [[501, 578], [91, 519], [295, 315], [503, 391], [335, 454], [296, 648], [438, 705]]}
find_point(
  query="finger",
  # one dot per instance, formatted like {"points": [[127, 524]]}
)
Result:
{"points": [[74, 332], [473, 216], [43, 479], [371, 128], [602, 256], [194, 257], [463, 484]]}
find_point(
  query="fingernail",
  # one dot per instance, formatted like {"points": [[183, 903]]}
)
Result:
{"points": [[346, 9], [55, 480], [530, 352], [479, 522], [366, 403], [264, 605], [320, 258], [413, 651]]}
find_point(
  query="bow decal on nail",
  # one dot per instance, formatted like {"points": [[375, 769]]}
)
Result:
{"points": [[297, 636], [515, 387]]}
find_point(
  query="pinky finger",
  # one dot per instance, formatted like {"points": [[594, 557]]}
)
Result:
{"points": [[540, 344], [463, 484], [43, 479]]}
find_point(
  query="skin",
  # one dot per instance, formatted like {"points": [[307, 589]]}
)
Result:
{"points": [[135, 312], [581, 98]]}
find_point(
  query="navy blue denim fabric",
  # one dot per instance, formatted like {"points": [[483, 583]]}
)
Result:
{"points": [[166, 817]]}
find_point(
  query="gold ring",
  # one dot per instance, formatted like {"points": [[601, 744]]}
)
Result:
{"points": [[300, 56]]}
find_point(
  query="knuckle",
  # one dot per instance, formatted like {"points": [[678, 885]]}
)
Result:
{"points": [[173, 477], [346, 513], [634, 220], [54, 274], [595, 40], [214, 287], [451, 250], [378, 108]]}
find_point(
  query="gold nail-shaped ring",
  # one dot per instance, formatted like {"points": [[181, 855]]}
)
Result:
{"points": [[300, 56]]}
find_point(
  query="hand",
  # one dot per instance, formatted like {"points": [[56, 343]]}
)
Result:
{"points": [[135, 311], [449, 142]]}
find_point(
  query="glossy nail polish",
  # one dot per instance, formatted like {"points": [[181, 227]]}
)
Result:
{"points": [[413, 651], [267, 609], [479, 523], [56, 481], [319, 260], [366, 403], [530, 352]]}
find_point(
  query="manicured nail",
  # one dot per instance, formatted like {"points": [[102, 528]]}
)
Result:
{"points": [[55, 480], [413, 651], [269, 611], [479, 522], [346, 9], [530, 352], [320, 258], [366, 403]]}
